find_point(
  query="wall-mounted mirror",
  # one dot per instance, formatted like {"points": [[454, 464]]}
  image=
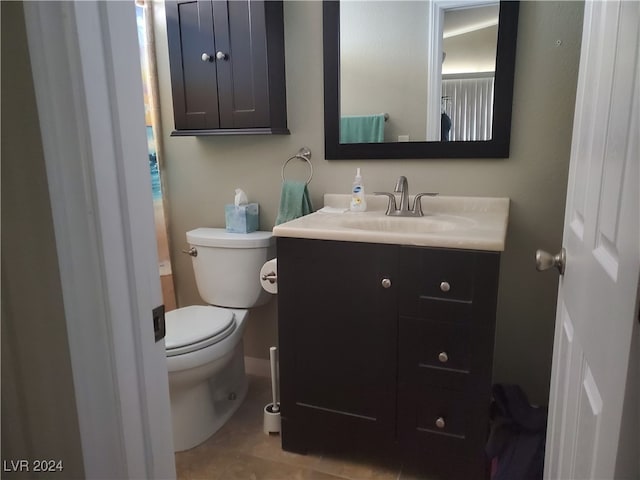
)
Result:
{"points": [[418, 79]]}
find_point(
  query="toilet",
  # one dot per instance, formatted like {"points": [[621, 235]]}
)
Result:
{"points": [[205, 358]]}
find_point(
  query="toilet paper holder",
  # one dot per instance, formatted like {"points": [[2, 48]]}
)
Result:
{"points": [[271, 277]]}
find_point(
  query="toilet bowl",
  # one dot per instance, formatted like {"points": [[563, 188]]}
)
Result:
{"points": [[204, 349]]}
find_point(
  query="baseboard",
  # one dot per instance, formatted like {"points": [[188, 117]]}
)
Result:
{"points": [[260, 367]]}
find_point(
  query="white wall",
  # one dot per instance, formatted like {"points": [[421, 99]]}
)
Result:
{"points": [[383, 64], [471, 52], [201, 174]]}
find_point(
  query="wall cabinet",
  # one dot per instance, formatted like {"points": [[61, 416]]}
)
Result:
{"points": [[227, 67], [387, 348]]}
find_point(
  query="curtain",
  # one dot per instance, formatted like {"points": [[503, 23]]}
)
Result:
{"points": [[468, 101]]}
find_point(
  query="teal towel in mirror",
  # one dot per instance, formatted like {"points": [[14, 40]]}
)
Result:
{"points": [[294, 201], [362, 128]]}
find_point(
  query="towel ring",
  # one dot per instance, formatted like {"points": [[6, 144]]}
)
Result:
{"points": [[303, 154]]}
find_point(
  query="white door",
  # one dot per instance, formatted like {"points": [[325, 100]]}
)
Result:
{"points": [[88, 85], [597, 299]]}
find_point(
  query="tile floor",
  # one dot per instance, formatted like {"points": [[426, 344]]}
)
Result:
{"points": [[241, 451]]}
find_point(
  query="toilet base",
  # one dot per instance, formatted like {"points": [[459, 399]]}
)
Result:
{"points": [[200, 411]]}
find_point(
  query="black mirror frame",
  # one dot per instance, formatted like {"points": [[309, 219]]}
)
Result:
{"points": [[497, 147]]}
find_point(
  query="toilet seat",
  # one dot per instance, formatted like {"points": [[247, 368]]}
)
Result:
{"points": [[193, 328]]}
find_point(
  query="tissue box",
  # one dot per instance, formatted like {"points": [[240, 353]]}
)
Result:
{"points": [[242, 218]]}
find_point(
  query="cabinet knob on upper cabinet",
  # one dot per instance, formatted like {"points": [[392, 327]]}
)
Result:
{"points": [[386, 283], [206, 57], [440, 423], [445, 287], [222, 56], [443, 357]]}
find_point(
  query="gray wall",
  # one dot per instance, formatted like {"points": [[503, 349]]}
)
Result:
{"points": [[39, 418], [201, 174]]}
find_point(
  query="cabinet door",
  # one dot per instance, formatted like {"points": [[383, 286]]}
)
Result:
{"points": [[243, 83], [337, 327], [194, 80]]}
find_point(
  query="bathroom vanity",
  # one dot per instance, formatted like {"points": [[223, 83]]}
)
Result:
{"points": [[386, 332]]}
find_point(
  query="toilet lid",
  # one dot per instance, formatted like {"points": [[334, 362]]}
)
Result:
{"points": [[191, 328]]}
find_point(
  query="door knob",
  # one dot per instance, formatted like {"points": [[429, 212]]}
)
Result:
{"points": [[222, 56], [545, 260]]}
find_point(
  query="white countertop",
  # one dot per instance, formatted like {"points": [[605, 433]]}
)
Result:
{"points": [[472, 223]]}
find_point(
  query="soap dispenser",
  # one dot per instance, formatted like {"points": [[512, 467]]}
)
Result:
{"points": [[358, 201]]}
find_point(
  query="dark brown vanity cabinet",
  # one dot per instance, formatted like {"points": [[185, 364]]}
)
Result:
{"points": [[337, 338], [387, 348], [227, 67]]}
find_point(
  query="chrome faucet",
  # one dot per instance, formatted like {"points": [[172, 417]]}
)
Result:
{"points": [[402, 187]]}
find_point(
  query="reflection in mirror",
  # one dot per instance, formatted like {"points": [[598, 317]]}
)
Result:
{"points": [[418, 79], [469, 41], [417, 70]]}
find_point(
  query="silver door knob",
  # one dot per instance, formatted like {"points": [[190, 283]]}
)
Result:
{"points": [[544, 260], [206, 57], [221, 56], [386, 283]]}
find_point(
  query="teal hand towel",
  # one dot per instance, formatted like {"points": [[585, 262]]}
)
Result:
{"points": [[294, 201], [362, 128]]}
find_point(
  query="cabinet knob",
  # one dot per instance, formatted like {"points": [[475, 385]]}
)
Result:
{"points": [[386, 283], [440, 423], [206, 57], [445, 287], [222, 56], [443, 357]]}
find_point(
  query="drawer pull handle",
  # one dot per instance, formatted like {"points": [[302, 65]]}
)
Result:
{"points": [[440, 423], [445, 287], [443, 357], [386, 283]]}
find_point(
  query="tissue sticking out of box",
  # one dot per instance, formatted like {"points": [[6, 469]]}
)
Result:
{"points": [[241, 198], [242, 216]]}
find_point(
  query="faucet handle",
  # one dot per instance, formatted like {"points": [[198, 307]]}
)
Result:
{"points": [[417, 203], [391, 207]]}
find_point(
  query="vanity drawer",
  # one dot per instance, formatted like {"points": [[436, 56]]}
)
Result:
{"points": [[444, 422], [443, 413], [439, 273], [448, 285], [442, 346]]}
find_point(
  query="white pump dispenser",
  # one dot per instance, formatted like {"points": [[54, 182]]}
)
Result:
{"points": [[358, 201]]}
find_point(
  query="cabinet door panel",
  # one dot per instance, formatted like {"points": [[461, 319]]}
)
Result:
{"points": [[338, 329], [194, 81], [243, 78]]}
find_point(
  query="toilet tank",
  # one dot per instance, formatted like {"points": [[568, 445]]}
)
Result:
{"points": [[227, 266]]}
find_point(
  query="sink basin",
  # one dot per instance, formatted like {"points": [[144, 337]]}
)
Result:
{"points": [[475, 223], [406, 225]]}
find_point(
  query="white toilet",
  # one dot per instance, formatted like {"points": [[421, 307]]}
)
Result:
{"points": [[205, 358]]}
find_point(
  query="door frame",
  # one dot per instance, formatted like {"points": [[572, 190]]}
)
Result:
{"points": [[88, 86]]}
